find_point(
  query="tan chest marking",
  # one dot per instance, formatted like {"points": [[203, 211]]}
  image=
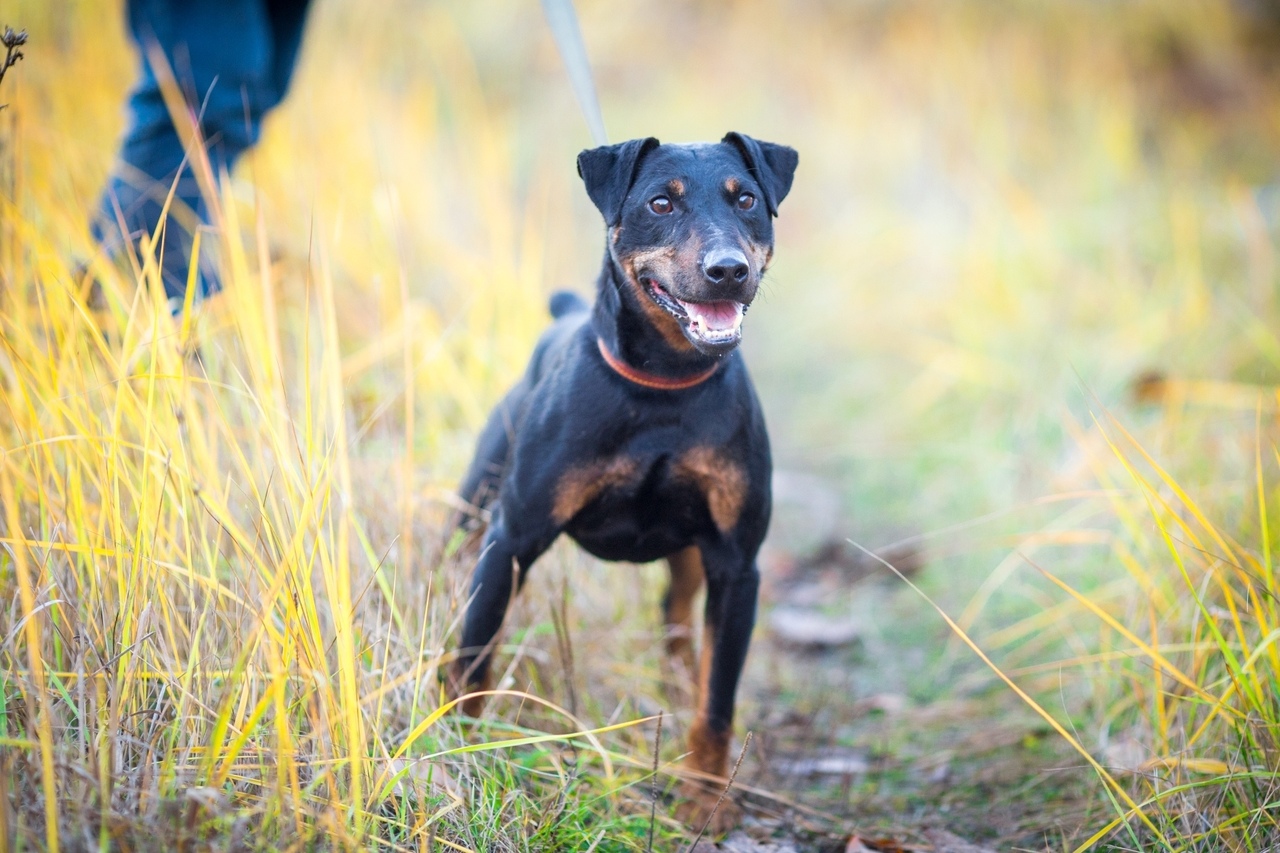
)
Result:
{"points": [[720, 479], [582, 484]]}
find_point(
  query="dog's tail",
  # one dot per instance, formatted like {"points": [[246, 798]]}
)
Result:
{"points": [[566, 302]]}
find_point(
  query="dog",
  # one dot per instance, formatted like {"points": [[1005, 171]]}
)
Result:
{"points": [[636, 429]]}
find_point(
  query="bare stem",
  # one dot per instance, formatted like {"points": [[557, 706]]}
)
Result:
{"points": [[11, 41], [653, 783], [734, 775]]}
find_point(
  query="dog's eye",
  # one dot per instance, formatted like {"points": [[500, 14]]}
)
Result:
{"points": [[660, 205], [746, 201]]}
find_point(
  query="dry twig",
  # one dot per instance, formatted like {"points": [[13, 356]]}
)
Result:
{"points": [[653, 782], [11, 41], [734, 775]]}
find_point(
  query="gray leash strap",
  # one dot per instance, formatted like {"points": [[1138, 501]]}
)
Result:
{"points": [[563, 21]]}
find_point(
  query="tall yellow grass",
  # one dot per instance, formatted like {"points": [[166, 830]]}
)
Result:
{"points": [[1185, 732], [224, 596], [222, 554], [1198, 652]]}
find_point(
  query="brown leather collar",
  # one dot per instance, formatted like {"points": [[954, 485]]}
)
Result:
{"points": [[651, 380]]}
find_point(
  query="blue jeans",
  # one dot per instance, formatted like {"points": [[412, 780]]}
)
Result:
{"points": [[233, 60]]}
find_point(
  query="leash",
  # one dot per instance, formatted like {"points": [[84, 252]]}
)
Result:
{"points": [[652, 380], [563, 21]]}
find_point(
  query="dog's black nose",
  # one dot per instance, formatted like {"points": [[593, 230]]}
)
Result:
{"points": [[721, 267]]}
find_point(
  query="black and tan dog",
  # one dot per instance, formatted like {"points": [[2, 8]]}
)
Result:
{"points": [[636, 429]]}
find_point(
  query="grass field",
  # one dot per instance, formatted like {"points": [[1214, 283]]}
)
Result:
{"points": [[1022, 325]]}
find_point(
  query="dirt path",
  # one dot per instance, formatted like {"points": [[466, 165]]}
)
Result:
{"points": [[864, 712]]}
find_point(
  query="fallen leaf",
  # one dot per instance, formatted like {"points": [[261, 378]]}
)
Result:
{"points": [[946, 842], [847, 764], [741, 842], [811, 592], [876, 845], [885, 703], [812, 630]]}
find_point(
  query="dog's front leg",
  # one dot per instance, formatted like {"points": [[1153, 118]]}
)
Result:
{"points": [[728, 621], [504, 560], [677, 612]]}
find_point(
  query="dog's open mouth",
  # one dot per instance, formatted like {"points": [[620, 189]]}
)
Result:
{"points": [[712, 323]]}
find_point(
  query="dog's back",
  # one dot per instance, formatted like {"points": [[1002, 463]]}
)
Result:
{"points": [[480, 486]]}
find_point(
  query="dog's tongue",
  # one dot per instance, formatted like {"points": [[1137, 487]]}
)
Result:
{"points": [[722, 316]]}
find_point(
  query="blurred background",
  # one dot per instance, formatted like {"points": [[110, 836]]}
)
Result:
{"points": [[1015, 226]]}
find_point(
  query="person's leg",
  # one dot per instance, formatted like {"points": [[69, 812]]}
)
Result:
{"points": [[287, 19], [224, 56]]}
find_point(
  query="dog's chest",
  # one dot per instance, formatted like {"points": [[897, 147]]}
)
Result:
{"points": [[640, 507]]}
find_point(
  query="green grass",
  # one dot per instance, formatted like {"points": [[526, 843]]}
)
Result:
{"points": [[224, 590]]}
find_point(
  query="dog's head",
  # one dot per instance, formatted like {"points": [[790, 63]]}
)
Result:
{"points": [[691, 228]]}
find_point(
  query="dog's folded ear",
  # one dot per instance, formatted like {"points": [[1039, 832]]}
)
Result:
{"points": [[773, 166], [608, 172]]}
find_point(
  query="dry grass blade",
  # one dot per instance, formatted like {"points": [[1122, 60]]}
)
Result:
{"points": [[1075, 744], [36, 688]]}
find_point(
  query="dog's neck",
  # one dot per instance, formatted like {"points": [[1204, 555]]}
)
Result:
{"points": [[632, 337]]}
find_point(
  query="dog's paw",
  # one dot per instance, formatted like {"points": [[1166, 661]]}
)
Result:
{"points": [[696, 806], [456, 687], [472, 705]]}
